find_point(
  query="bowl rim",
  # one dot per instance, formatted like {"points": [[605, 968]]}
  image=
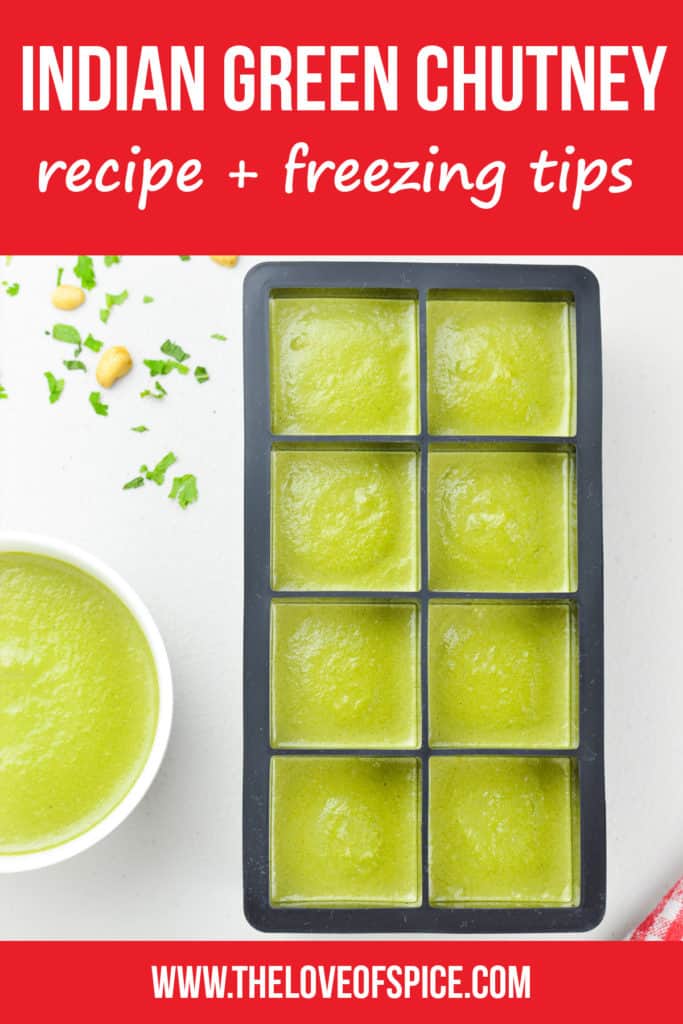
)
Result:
{"points": [[52, 547]]}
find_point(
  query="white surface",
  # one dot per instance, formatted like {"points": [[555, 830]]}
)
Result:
{"points": [[173, 870], [38, 544]]}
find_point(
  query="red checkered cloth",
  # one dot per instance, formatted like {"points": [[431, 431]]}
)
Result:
{"points": [[665, 923]]}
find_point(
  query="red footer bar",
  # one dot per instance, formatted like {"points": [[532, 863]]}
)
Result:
{"points": [[195, 981]]}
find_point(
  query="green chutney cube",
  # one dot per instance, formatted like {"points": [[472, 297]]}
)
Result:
{"points": [[500, 366], [503, 831], [343, 365], [501, 520], [344, 519], [344, 830], [502, 675], [344, 674], [79, 702]]}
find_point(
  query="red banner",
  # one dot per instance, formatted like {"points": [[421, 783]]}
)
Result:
{"points": [[299, 982], [355, 128], [271, 129]]}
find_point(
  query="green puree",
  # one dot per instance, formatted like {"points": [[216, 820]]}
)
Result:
{"points": [[500, 367], [344, 830], [344, 520], [344, 674], [501, 521], [343, 365], [78, 702], [503, 830], [502, 675]]}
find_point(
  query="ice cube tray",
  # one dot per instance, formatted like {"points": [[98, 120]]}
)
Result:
{"points": [[423, 643]]}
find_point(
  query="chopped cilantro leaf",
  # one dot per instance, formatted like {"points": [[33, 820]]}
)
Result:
{"points": [[56, 387], [184, 490], [74, 364], [109, 261], [95, 399], [137, 481], [158, 474], [162, 367], [201, 374], [112, 300], [60, 274], [3, 392], [67, 333], [12, 289], [175, 351], [159, 391], [93, 343], [147, 299], [142, 429], [219, 337], [85, 272], [184, 258]]}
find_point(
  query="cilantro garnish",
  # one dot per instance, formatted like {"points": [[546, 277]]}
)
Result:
{"points": [[74, 364], [67, 333], [109, 261], [112, 300], [158, 474], [184, 258], [159, 391], [142, 429], [93, 343], [219, 337], [147, 299], [201, 374], [56, 387], [162, 367], [60, 274], [169, 348], [12, 289], [184, 490], [95, 399], [3, 392], [85, 272]]}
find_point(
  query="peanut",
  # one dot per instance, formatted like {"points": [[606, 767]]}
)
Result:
{"points": [[114, 362], [68, 296], [225, 261]]}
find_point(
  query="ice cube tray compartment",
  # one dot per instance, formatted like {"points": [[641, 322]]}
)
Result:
{"points": [[501, 518], [344, 363], [503, 674], [344, 518], [503, 831], [344, 674], [423, 599], [345, 830], [501, 363]]}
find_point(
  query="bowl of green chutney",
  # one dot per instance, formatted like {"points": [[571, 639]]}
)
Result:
{"points": [[86, 701]]}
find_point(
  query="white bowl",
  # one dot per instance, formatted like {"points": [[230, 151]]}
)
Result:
{"points": [[36, 544]]}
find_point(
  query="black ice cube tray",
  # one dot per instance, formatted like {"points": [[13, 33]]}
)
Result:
{"points": [[583, 594]]}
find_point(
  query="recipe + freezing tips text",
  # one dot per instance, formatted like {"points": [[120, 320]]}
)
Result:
{"points": [[340, 79], [142, 176]]}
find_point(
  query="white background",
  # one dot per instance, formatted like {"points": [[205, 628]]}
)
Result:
{"points": [[173, 870]]}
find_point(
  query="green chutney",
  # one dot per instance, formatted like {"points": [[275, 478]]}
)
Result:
{"points": [[79, 701]]}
